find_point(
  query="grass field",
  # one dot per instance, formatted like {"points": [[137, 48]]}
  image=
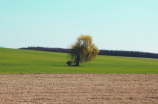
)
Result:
{"points": [[28, 61]]}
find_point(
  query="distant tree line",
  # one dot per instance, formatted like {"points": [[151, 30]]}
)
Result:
{"points": [[102, 52], [128, 53], [47, 49]]}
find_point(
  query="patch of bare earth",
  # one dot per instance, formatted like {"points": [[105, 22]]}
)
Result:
{"points": [[78, 88]]}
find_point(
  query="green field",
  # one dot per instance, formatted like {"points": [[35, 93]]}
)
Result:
{"points": [[28, 61]]}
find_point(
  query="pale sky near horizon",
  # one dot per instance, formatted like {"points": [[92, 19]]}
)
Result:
{"points": [[130, 25]]}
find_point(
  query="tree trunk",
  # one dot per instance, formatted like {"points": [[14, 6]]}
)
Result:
{"points": [[77, 60]]}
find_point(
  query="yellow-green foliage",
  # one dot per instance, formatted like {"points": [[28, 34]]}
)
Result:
{"points": [[84, 49]]}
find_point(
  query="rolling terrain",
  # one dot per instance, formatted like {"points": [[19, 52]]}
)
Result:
{"points": [[28, 61], [132, 86]]}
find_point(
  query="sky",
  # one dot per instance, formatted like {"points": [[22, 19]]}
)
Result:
{"points": [[130, 25]]}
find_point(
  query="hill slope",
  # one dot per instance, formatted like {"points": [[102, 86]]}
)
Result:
{"points": [[2, 47], [27, 61]]}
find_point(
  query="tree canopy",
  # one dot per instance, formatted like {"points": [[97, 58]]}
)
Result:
{"points": [[83, 50]]}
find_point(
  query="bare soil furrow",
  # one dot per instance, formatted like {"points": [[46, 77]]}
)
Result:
{"points": [[78, 88]]}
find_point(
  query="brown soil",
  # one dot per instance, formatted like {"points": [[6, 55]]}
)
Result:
{"points": [[78, 88]]}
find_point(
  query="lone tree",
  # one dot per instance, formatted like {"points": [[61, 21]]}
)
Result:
{"points": [[83, 50]]}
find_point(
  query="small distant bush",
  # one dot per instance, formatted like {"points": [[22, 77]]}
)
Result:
{"points": [[69, 63]]}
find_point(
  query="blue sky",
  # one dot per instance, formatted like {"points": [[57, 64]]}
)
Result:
{"points": [[113, 24]]}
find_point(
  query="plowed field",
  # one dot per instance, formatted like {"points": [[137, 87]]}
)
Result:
{"points": [[78, 88]]}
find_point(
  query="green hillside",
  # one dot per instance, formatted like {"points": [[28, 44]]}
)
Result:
{"points": [[27, 61]]}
